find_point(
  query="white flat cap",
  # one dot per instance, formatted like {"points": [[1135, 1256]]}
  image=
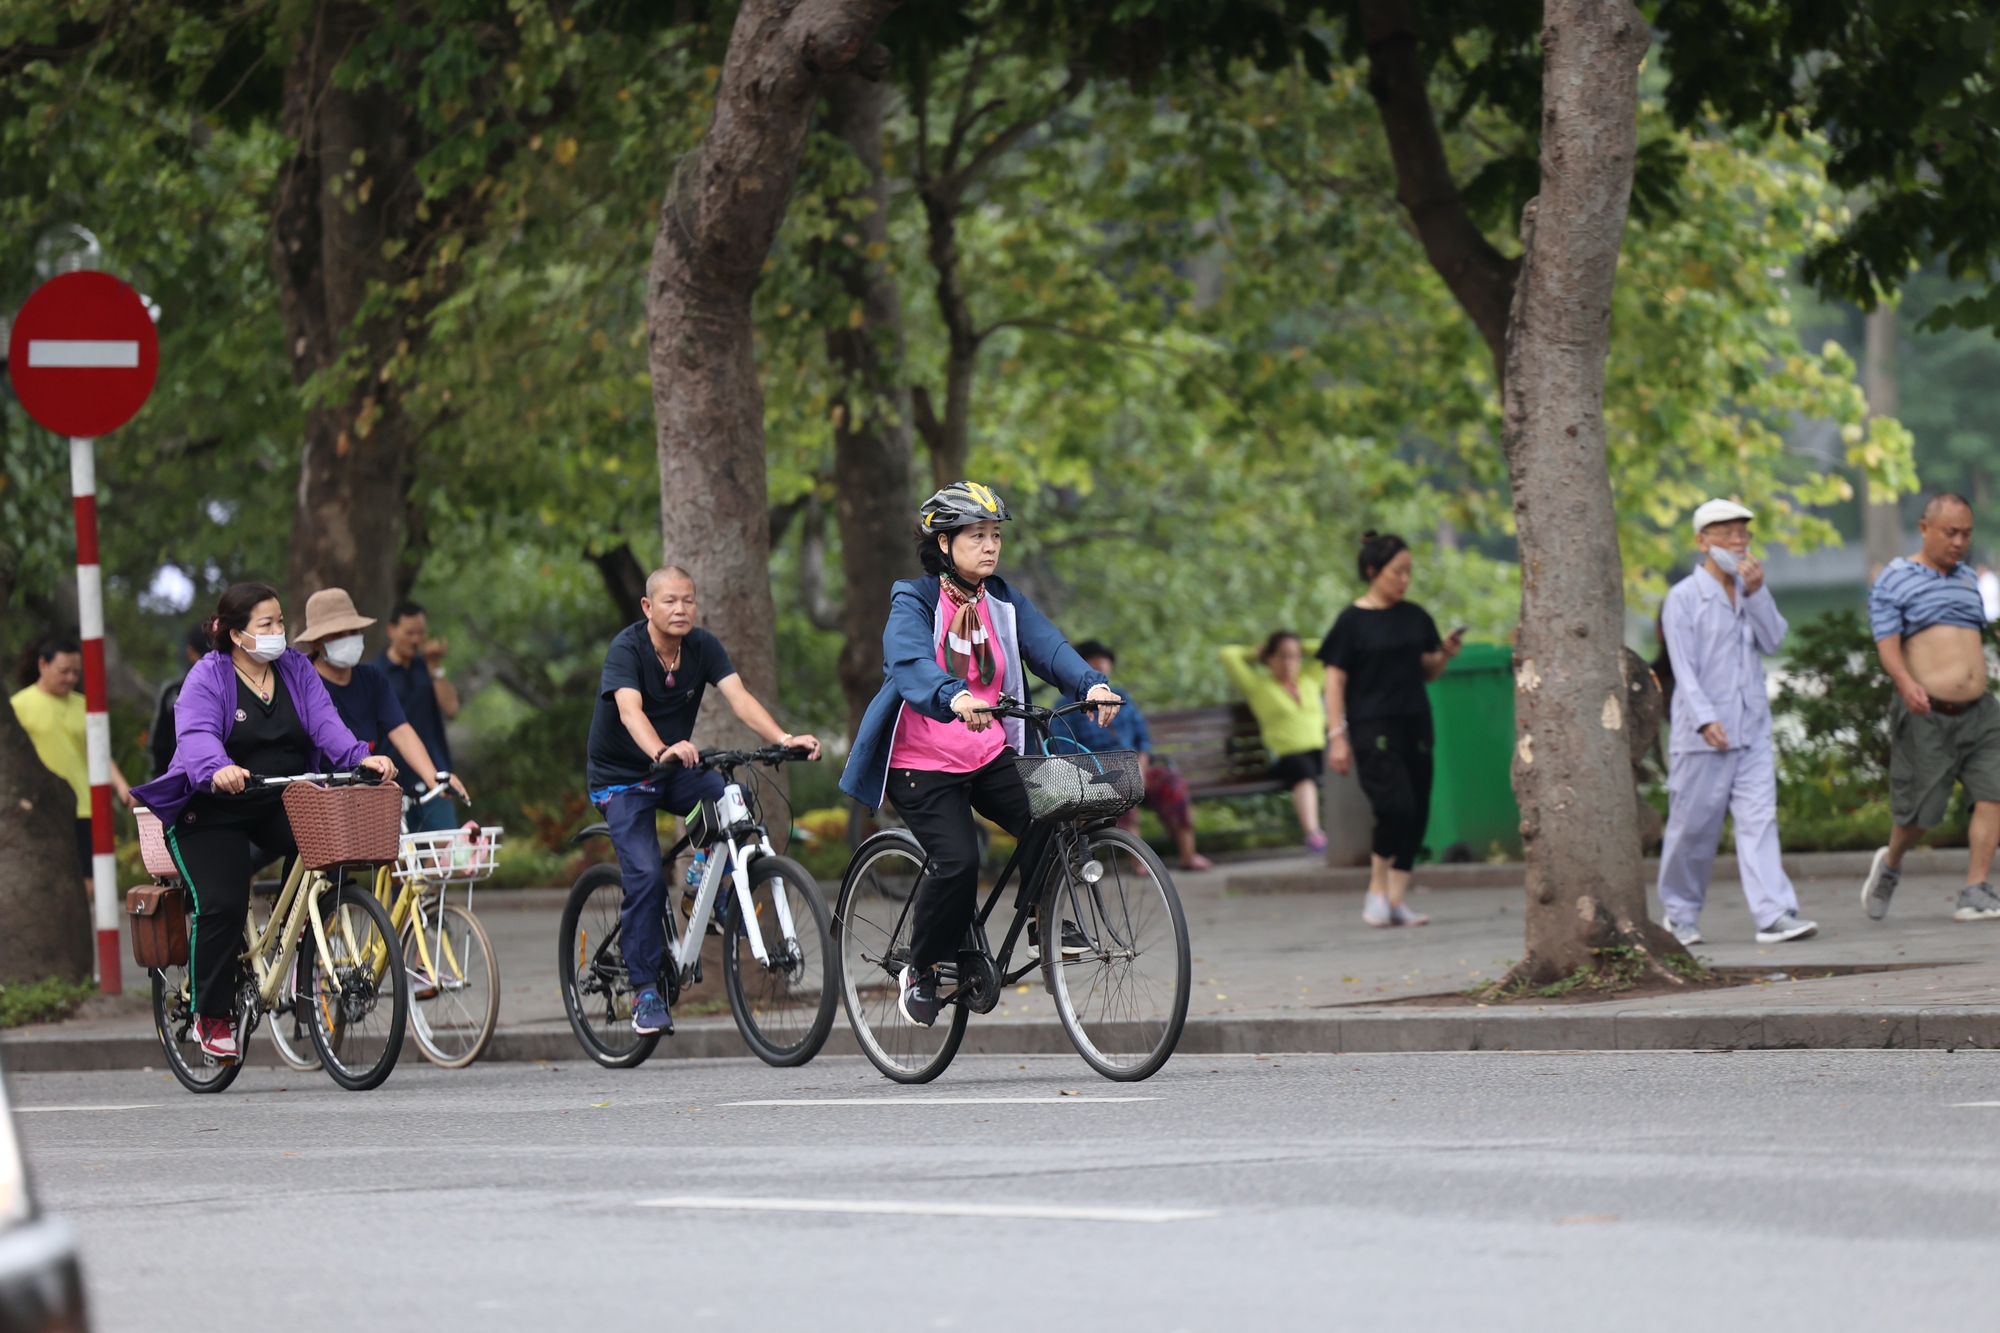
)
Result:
{"points": [[1718, 511]]}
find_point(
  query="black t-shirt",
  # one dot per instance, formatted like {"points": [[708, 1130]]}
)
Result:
{"points": [[632, 664], [268, 738], [368, 706], [1382, 654]]}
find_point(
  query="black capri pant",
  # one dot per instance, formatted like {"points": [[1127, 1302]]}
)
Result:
{"points": [[1392, 758], [938, 808], [211, 843]]}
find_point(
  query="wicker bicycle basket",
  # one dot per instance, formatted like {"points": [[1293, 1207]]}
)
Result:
{"points": [[345, 825], [1081, 786], [153, 853]]}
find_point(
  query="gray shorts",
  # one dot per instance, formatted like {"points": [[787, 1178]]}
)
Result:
{"points": [[1928, 754]]}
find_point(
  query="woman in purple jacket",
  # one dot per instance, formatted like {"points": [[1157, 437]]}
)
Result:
{"points": [[251, 708]]}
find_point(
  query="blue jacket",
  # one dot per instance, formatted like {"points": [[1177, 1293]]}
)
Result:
{"points": [[912, 675]]}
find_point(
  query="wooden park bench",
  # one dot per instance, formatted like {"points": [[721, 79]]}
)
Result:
{"points": [[1217, 749]]}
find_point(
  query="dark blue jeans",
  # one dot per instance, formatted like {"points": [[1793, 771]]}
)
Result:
{"points": [[631, 814]]}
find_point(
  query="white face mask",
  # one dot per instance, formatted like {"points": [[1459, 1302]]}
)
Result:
{"points": [[269, 647], [343, 652], [1724, 558]]}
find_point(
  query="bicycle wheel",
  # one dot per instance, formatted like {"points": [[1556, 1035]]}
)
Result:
{"points": [[173, 1019], [596, 994], [1125, 1000], [784, 1009], [454, 984], [872, 926], [357, 995]]}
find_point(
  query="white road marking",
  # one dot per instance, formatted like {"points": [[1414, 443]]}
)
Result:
{"points": [[1976, 1103], [135, 1106], [908, 1208], [82, 353], [938, 1101]]}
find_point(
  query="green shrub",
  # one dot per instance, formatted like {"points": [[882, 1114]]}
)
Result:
{"points": [[47, 1001]]}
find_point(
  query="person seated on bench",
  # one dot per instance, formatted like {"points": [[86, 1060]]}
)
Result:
{"points": [[1166, 789], [1284, 691]]}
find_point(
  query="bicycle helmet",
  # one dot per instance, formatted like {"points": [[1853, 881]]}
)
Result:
{"points": [[960, 505]]}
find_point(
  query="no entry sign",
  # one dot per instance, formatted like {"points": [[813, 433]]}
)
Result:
{"points": [[83, 355]]}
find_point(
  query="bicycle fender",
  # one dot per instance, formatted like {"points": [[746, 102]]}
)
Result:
{"points": [[598, 830]]}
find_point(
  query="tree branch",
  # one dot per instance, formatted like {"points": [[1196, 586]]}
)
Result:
{"points": [[1479, 276]]}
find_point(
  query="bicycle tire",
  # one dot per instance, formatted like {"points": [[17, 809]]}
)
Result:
{"points": [[871, 928], [173, 1019], [348, 993], [455, 1021], [1123, 1021], [784, 1011], [598, 998]]}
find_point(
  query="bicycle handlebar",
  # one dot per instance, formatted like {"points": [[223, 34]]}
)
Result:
{"points": [[769, 754], [346, 777], [1010, 707]]}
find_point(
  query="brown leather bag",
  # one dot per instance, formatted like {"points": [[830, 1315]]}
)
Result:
{"points": [[159, 925]]}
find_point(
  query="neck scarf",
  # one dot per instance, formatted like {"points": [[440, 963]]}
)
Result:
{"points": [[967, 653]]}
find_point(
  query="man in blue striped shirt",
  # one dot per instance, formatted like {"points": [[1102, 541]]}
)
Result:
{"points": [[1927, 618]]}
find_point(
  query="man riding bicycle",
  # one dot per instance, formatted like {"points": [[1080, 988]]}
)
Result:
{"points": [[654, 674], [956, 640]]}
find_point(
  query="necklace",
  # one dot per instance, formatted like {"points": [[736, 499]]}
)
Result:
{"points": [[261, 691], [670, 667]]}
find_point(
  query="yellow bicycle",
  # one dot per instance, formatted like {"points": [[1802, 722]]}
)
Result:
{"points": [[454, 976]]}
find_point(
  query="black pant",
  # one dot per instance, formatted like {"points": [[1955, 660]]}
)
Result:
{"points": [[211, 843], [1392, 757], [938, 809]]}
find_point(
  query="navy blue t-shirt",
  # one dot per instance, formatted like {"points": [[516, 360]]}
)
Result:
{"points": [[368, 706], [631, 663], [418, 698]]}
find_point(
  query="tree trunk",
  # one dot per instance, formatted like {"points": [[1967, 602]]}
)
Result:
{"points": [[1881, 520], [1572, 764], [872, 451], [721, 213], [624, 580], [950, 436], [45, 921], [1479, 276], [348, 192]]}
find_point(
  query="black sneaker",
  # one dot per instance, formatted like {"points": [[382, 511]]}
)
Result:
{"points": [[919, 998], [649, 1013], [1075, 944]]}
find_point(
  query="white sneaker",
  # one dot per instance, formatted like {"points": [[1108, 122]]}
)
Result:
{"points": [[1375, 911], [1402, 916], [1786, 927], [1686, 934]]}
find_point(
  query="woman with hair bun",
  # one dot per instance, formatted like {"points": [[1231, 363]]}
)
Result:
{"points": [[1378, 655], [1283, 691], [251, 708]]}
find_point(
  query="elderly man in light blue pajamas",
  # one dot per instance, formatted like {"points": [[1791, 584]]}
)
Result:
{"points": [[1718, 623]]}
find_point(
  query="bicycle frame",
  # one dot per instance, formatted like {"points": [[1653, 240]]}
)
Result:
{"points": [[296, 906], [737, 850]]}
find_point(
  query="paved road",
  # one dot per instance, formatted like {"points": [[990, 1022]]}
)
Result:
{"points": [[1782, 1190]]}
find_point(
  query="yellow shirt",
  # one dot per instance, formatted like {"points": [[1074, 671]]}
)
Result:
{"points": [[56, 727]]}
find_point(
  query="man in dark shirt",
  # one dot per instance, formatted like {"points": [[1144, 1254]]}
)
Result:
{"points": [[414, 665], [654, 675]]}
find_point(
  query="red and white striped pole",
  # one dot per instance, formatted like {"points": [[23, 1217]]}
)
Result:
{"points": [[97, 716]]}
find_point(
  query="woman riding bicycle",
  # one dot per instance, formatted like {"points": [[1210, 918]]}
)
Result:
{"points": [[957, 639], [251, 708]]}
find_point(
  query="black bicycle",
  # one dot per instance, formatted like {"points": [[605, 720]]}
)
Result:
{"points": [[777, 956], [1120, 970]]}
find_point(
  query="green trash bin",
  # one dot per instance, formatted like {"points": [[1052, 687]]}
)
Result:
{"points": [[1472, 794]]}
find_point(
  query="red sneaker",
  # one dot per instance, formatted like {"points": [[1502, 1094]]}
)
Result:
{"points": [[217, 1036]]}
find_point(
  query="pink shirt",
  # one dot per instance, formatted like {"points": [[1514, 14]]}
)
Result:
{"points": [[953, 747]]}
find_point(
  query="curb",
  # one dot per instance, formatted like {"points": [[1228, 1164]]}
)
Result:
{"points": [[1358, 1031], [1513, 874]]}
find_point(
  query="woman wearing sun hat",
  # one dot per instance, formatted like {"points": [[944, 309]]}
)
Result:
{"points": [[362, 694]]}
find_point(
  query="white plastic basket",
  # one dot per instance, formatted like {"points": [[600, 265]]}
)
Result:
{"points": [[450, 856]]}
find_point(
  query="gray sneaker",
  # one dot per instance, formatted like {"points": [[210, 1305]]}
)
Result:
{"points": [[1791, 927], [1976, 902], [1880, 886], [1686, 934]]}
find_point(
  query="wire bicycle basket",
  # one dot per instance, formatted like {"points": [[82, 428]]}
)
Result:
{"points": [[1088, 785], [449, 856]]}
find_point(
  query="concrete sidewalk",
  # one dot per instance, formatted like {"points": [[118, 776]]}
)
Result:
{"points": [[1298, 971]]}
